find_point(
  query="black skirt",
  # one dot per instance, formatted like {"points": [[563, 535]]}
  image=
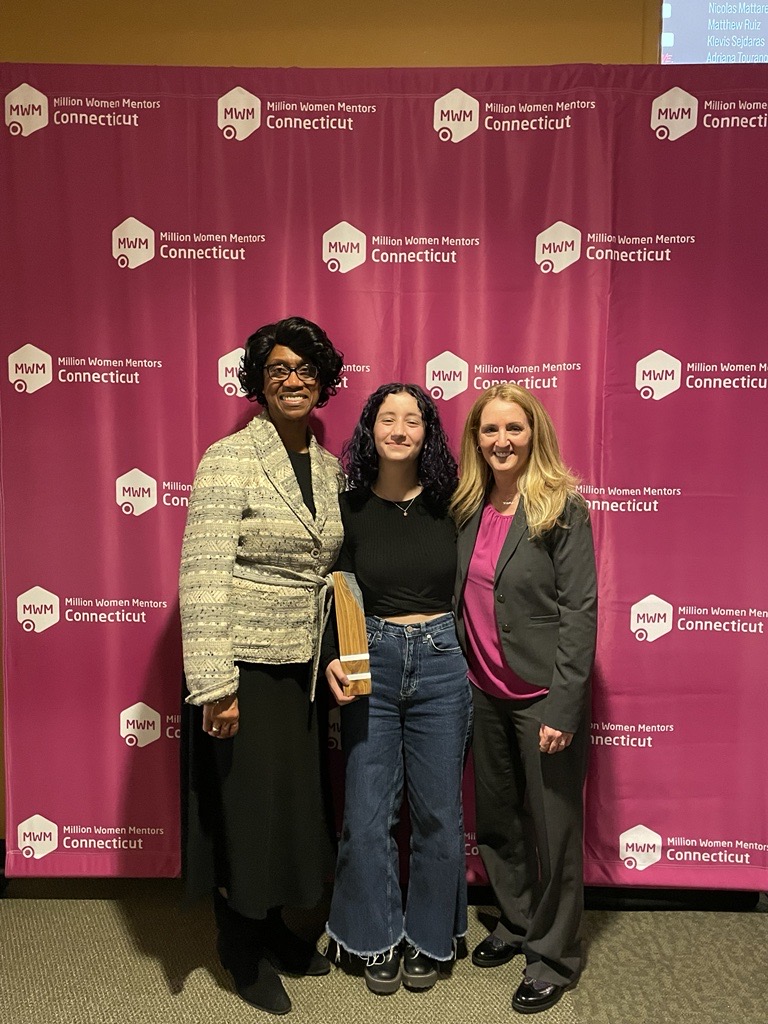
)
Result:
{"points": [[258, 819]]}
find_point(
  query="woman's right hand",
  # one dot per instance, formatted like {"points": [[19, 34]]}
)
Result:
{"points": [[337, 680], [221, 719]]}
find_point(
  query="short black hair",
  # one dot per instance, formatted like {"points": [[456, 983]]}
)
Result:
{"points": [[305, 339]]}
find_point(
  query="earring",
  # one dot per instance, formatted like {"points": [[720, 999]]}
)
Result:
{"points": [[477, 447]]}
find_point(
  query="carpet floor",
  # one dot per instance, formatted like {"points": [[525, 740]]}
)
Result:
{"points": [[123, 952]]}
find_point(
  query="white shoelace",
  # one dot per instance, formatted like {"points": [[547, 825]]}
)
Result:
{"points": [[379, 958]]}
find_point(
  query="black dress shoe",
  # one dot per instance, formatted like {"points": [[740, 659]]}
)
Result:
{"points": [[419, 970], [534, 996], [383, 972], [493, 952]]}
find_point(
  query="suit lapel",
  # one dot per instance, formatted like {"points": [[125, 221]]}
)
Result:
{"points": [[465, 544], [517, 530], [325, 490], [278, 469]]}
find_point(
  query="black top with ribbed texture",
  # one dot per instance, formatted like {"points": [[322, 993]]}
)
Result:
{"points": [[403, 563]]}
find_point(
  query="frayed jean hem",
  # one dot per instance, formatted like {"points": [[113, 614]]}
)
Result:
{"points": [[363, 954], [439, 959]]}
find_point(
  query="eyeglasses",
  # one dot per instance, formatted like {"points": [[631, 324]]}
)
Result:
{"points": [[307, 372]]}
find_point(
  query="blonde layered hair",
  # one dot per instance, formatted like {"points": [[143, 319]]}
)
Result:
{"points": [[546, 484]]}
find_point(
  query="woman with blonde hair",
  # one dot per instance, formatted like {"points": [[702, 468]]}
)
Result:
{"points": [[526, 598]]}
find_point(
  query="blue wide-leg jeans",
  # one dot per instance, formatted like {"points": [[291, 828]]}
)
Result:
{"points": [[412, 729]]}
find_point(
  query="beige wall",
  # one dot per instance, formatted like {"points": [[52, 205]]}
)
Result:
{"points": [[331, 33]]}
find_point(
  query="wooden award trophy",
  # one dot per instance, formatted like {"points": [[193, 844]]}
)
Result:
{"points": [[353, 639]]}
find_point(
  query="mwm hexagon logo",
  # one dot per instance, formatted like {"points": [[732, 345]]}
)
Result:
{"points": [[674, 114], [239, 114], [37, 609], [640, 847], [651, 618], [29, 369], [344, 247], [136, 492], [26, 110], [139, 725], [229, 368], [658, 375], [133, 243], [447, 375], [557, 247], [456, 116], [37, 836]]}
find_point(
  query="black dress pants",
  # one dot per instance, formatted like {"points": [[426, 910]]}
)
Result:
{"points": [[530, 827]]}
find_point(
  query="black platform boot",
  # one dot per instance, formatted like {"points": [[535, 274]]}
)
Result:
{"points": [[242, 954]]}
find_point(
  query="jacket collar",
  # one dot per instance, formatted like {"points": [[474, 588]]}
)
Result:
{"points": [[518, 528], [277, 467]]}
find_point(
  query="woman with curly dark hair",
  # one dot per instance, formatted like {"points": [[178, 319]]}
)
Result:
{"points": [[263, 529], [400, 544]]}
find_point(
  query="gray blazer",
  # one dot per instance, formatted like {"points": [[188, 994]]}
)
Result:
{"points": [[545, 600]]}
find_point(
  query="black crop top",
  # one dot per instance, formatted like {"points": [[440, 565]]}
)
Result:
{"points": [[404, 564]]}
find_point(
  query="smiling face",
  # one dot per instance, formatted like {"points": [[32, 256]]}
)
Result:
{"points": [[290, 400], [504, 438], [398, 431]]}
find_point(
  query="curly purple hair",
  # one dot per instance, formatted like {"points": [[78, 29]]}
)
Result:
{"points": [[437, 469]]}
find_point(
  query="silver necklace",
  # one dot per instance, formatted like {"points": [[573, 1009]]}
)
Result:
{"points": [[512, 501], [405, 510]]}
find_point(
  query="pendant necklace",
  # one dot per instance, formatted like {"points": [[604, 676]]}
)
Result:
{"points": [[405, 510]]}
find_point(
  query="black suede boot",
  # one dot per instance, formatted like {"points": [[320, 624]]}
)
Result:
{"points": [[287, 951], [241, 953]]}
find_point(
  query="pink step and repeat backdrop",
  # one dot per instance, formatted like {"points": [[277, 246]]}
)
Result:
{"points": [[597, 234]]}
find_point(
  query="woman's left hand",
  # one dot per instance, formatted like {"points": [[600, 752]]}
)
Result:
{"points": [[552, 741]]}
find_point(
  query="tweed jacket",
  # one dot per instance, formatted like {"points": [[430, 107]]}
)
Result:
{"points": [[545, 604], [254, 562]]}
